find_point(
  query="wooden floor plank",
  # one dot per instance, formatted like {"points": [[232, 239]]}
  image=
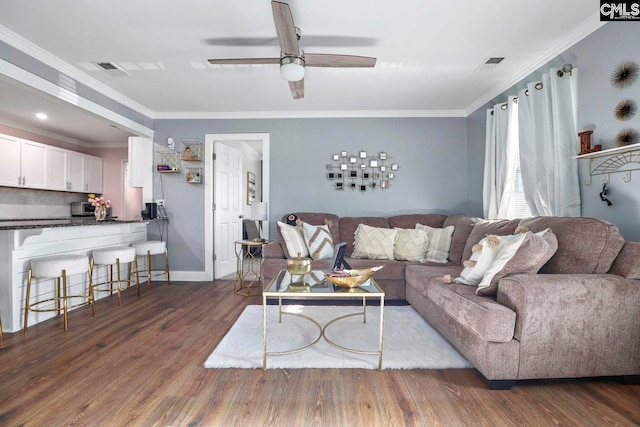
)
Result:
{"points": [[141, 364]]}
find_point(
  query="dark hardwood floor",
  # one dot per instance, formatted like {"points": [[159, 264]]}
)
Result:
{"points": [[141, 364]]}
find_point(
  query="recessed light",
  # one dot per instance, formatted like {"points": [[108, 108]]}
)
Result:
{"points": [[42, 116]]}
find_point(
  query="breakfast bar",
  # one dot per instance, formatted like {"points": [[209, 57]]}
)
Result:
{"points": [[22, 240]]}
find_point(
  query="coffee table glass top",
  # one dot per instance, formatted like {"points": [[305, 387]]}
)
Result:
{"points": [[315, 283]]}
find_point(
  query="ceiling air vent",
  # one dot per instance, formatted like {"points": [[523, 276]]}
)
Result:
{"points": [[112, 69], [494, 60]]}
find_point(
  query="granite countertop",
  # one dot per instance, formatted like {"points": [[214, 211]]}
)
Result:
{"points": [[24, 223]]}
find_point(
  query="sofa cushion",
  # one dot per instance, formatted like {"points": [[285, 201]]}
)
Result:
{"points": [[374, 242], [348, 226], [462, 227], [333, 221], [484, 227], [318, 240], [524, 253], [585, 245], [627, 263], [439, 242], [410, 220], [411, 245], [293, 240], [481, 314], [482, 259]]}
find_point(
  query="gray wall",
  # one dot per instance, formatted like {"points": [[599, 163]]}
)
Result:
{"points": [[431, 152], [596, 57]]}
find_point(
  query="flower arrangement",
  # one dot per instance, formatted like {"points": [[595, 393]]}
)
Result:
{"points": [[99, 202]]}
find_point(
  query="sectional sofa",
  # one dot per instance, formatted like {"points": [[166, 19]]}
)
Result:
{"points": [[578, 316]]}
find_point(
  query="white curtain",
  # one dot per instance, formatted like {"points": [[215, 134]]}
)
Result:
{"points": [[548, 139], [501, 151]]}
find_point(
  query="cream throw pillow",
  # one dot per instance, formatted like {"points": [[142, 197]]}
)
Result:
{"points": [[439, 242], [374, 242], [411, 245], [484, 258], [293, 239], [318, 240], [527, 253]]}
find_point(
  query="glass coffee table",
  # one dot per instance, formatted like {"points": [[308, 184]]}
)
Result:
{"points": [[313, 287]]}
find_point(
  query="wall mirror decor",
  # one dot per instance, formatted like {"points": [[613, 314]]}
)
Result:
{"points": [[364, 172]]}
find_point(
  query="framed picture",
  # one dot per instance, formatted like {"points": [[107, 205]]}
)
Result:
{"points": [[329, 167], [363, 188], [373, 163], [383, 168], [376, 175], [363, 166], [382, 156], [343, 154], [394, 166], [353, 159], [353, 174], [384, 184], [336, 157], [365, 175], [353, 185], [391, 175], [339, 186], [374, 184], [251, 188], [339, 175], [331, 175], [363, 154], [343, 166]]}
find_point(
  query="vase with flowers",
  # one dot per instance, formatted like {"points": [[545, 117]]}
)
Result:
{"points": [[100, 204]]}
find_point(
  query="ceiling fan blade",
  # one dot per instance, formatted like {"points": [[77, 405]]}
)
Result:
{"points": [[297, 89], [329, 60], [308, 40], [245, 61], [285, 28]]}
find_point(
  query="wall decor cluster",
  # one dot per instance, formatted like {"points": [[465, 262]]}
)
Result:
{"points": [[361, 172], [623, 76], [186, 160]]}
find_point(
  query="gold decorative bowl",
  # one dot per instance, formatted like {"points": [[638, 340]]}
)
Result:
{"points": [[357, 278]]}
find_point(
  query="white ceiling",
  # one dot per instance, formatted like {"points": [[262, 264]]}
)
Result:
{"points": [[430, 53]]}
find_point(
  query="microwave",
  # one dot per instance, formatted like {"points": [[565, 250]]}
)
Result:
{"points": [[82, 209]]}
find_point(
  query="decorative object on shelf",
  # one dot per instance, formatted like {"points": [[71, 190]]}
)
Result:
{"points": [[168, 162], [625, 110], [627, 136], [191, 151], [624, 75], [585, 143], [101, 205], [625, 160], [604, 193], [193, 175], [360, 171], [251, 188]]}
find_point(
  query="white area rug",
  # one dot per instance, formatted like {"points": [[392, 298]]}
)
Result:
{"points": [[409, 341]]}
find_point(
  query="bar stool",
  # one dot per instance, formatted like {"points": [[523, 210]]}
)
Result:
{"points": [[108, 257], [147, 250], [58, 267]]}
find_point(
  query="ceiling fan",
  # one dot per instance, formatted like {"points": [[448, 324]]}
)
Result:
{"points": [[292, 59]]}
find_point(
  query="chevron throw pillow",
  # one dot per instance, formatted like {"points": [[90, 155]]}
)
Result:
{"points": [[374, 242], [318, 240]]}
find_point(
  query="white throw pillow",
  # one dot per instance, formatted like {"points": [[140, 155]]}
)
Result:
{"points": [[439, 242], [318, 240], [509, 245], [373, 242], [294, 240], [411, 245], [484, 258]]}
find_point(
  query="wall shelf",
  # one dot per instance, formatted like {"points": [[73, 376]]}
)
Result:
{"points": [[625, 159], [169, 160]]}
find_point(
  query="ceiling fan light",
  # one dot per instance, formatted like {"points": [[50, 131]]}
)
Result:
{"points": [[292, 69]]}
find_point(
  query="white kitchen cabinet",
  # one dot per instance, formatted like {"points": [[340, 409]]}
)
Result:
{"points": [[93, 174], [23, 163], [57, 168], [76, 172], [10, 174]]}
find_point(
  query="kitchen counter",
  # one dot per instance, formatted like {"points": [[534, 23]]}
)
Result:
{"points": [[26, 223]]}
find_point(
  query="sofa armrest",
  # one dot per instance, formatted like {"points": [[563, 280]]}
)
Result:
{"points": [[572, 325], [273, 250]]}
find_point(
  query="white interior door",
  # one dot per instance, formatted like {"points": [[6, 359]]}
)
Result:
{"points": [[228, 206]]}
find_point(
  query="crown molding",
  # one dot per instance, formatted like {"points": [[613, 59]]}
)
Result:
{"points": [[35, 51], [238, 115]]}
